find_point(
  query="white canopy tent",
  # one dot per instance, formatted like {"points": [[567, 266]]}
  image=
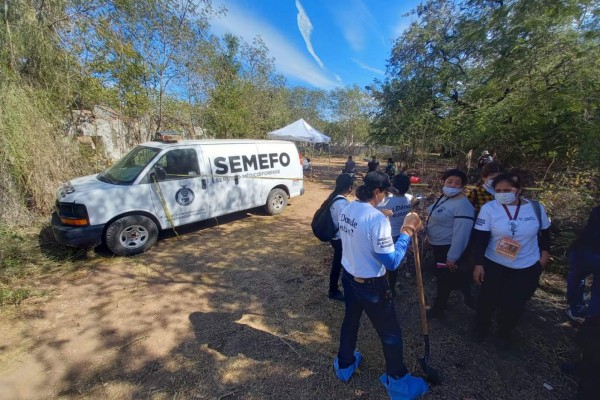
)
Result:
{"points": [[299, 131]]}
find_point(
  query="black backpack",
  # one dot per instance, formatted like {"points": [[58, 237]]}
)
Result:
{"points": [[322, 224]]}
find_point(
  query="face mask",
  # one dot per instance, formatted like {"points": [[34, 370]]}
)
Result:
{"points": [[506, 198], [450, 191], [383, 201]]}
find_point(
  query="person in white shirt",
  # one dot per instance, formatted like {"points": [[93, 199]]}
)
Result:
{"points": [[369, 251], [396, 208], [511, 247], [307, 165], [343, 187]]}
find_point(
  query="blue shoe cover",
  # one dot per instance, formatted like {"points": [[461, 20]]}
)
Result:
{"points": [[345, 374], [406, 388]]}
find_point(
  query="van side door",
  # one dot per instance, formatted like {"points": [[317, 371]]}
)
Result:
{"points": [[180, 187], [233, 186]]}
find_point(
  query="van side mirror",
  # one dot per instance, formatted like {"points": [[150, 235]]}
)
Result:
{"points": [[161, 174]]}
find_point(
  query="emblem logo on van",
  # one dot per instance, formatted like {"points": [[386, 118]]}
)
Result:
{"points": [[184, 196]]}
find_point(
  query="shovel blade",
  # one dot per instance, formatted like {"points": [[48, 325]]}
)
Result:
{"points": [[433, 376]]}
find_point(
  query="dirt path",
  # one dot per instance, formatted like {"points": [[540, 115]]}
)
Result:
{"points": [[239, 311]]}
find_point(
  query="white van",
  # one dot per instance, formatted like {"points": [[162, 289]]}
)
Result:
{"points": [[163, 184]]}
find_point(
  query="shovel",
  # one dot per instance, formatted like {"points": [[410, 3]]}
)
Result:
{"points": [[432, 375]]}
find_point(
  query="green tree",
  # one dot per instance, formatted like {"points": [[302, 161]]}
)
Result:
{"points": [[141, 48], [518, 76], [244, 96], [309, 104], [350, 110]]}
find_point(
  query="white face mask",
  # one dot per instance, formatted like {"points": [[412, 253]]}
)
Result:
{"points": [[383, 201], [450, 191], [505, 198]]}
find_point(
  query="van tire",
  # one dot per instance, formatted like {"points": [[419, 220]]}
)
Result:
{"points": [[276, 201], [131, 235]]}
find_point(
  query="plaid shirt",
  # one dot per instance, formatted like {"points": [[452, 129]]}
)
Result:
{"points": [[478, 197]]}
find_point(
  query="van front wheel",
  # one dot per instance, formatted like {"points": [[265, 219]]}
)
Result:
{"points": [[130, 235], [276, 201]]}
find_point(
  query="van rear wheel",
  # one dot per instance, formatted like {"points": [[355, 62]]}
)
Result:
{"points": [[276, 201], [130, 235]]}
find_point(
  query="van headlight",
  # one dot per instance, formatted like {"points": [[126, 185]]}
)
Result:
{"points": [[73, 214]]}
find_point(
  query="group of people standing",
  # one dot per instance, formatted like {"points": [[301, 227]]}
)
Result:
{"points": [[491, 237], [373, 165]]}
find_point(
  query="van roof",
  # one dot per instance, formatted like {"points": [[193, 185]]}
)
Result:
{"points": [[164, 145]]}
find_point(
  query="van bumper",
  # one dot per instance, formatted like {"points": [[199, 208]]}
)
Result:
{"points": [[76, 236]]}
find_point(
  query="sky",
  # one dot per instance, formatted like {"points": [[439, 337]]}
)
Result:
{"points": [[320, 44]]}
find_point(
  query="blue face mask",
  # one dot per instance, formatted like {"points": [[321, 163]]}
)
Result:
{"points": [[450, 191]]}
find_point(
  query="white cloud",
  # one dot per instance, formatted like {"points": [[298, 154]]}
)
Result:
{"points": [[305, 27], [367, 67], [288, 60], [357, 24], [337, 77]]}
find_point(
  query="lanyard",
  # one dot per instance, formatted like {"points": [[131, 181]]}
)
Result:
{"points": [[513, 220], [435, 206]]}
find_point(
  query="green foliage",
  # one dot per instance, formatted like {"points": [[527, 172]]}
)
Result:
{"points": [[516, 76], [245, 97], [350, 109], [310, 104]]}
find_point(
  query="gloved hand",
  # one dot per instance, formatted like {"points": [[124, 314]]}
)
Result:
{"points": [[413, 222]]}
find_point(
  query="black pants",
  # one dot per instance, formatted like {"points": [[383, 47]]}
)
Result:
{"points": [[392, 276], [336, 266], [508, 290], [447, 280]]}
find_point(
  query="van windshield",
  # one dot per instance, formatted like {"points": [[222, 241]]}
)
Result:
{"points": [[129, 167]]}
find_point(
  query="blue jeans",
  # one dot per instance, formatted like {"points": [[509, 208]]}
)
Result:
{"points": [[374, 297], [583, 262]]}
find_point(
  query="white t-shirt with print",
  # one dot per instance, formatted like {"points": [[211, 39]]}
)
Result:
{"points": [[400, 205], [364, 231], [493, 218], [335, 210]]}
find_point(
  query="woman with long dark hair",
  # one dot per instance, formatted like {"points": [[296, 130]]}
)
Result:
{"points": [[369, 251], [338, 200]]}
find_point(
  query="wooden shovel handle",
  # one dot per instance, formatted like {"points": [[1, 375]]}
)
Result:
{"points": [[421, 291]]}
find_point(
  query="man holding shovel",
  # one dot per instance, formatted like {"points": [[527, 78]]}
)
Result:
{"points": [[368, 251]]}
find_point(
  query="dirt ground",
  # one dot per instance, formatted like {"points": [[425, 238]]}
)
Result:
{"points": [[238, 309]]}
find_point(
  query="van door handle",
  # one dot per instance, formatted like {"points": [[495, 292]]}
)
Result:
{"points": [[203, 183], [236, 179]]}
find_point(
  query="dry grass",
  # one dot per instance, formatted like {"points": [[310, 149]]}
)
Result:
{"points": [[35, 156], [240, 311]]}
